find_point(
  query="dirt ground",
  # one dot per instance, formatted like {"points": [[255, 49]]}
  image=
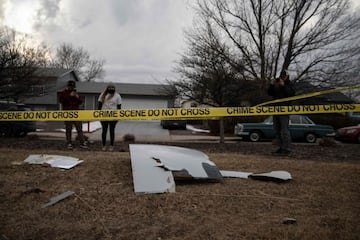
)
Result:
{"points": [[323, 197]]}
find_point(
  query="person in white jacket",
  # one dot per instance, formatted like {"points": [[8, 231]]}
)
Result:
{"points": [[109, 100]]}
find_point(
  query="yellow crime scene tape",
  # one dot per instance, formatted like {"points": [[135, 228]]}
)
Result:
{"points": [[173, 113], [184, 113], [308, 95]]}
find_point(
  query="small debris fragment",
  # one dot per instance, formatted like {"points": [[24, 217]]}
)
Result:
{"points": [[58, 198], [288, 220], [17, 163], [53, 160]]}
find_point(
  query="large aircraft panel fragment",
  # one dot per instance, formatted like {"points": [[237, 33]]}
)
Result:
{"points": [[148, 177]]}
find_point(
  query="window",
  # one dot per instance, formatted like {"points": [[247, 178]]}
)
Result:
{"points": [[37, 90], [295, 119]]}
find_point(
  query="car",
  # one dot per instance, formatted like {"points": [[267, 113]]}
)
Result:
{"points": [[173, 124], [348, 134], [15, 128], [301, 128], [353, 115]]}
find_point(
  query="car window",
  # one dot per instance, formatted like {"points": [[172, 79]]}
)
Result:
{"points": [[23, 107], [299, 119], [354, 115], [295, 119], [13, 108], [307, 120], [268, 120]]}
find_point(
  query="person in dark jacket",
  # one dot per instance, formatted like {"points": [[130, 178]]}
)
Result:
{"points": [[279, 88], [70, 100]]}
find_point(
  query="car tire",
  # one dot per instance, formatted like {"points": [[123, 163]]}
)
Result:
{"points": [[255, 136], [310, 138], [358, 138]]}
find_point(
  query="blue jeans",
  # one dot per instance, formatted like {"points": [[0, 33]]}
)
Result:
{"points": [[281, 128]]}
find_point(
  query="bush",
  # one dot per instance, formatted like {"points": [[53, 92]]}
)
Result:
{"points": [[129, 138]]}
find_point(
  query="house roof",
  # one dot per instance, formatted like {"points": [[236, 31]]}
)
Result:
{"points": [[127, 88], [336, 97], [55, 72]]}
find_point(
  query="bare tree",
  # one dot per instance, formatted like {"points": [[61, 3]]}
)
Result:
{"points": [[20, 58], [94, 70], [237, 46], [69, 57], [311, 39], [206, 76]]}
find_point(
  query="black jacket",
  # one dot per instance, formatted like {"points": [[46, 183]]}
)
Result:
{"points": [[277, 91]]}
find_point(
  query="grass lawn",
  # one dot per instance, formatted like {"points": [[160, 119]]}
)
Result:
{"points": [[323, 197]]}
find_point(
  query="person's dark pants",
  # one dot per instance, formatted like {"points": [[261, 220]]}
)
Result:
{"points": [[68, 128], [105, 125], [281, 128]]}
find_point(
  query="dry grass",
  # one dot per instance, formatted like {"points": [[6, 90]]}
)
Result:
{"points": [[323, 197]]}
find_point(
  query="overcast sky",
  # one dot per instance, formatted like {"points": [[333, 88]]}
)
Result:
{"points": [[138, 39]]}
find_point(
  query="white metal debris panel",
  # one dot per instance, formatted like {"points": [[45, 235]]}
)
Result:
{"points": [[153, 166]]}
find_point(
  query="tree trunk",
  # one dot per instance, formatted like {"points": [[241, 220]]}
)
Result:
{"points": [[221, 130]]}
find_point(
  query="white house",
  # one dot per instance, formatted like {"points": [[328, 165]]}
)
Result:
{"points": [[134, 96]]}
